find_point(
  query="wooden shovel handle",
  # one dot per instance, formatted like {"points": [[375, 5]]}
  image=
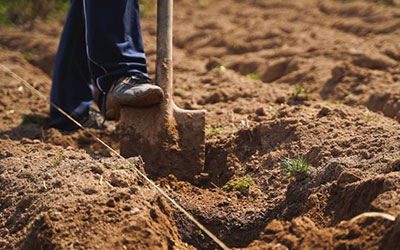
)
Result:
{"points": [[164, 46]]}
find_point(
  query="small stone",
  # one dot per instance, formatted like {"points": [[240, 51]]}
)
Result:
{"points": [[213, 63], [110, 203], [26, 141], [317, 106], [348, 177], [365, 154], [261, 111], [280, 100], [273, 227], [324, 111], [118, 180], [6, 202], [237, 110], [335, 152], [135, 210], [89, 191], [97, 169]]}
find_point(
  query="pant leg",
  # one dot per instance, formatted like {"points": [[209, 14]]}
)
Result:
{"points": [[71, 88], [102, 41], [113, 40]]}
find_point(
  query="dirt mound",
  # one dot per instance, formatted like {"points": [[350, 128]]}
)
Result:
{"points": [[302, 233], [59, 198]]}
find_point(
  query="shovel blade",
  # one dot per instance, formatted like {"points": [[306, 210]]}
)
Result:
{"points": [[169, 142]]}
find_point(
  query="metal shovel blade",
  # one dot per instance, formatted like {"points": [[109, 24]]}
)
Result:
{"points": [[170, 140]]}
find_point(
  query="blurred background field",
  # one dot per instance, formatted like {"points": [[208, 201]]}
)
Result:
{"points": [[16, 12], [23, 11]]}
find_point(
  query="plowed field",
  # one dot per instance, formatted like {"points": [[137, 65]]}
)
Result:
{"points": [[279, 79]]}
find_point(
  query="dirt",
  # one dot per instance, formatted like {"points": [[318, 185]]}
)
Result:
{"points": [[242, 61]]}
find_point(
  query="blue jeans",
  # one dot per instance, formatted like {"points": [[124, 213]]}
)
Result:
{"points": [[101, 42]]}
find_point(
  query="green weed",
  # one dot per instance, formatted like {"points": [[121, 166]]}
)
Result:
{"points": [[199, 233], [215, 130], [241, 184], [349, 96], [336, 104], [57, 159], [296, 168], [368, 117], [129, 166], [220, 68], [396, 160], [27, 56], [253, 76], [298, 90]]}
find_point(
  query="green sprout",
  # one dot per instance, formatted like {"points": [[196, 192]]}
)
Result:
{"points": [[368, 117], [129, 166], [27, 56], [215, 130], [396, 162], [220, 68], [298, 89], [253, 76], [338, 104], [296, 168], [241, 184], [199, 233], [57, 160]]}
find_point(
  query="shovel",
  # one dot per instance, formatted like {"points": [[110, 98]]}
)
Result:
{"points": [[170, 140]]}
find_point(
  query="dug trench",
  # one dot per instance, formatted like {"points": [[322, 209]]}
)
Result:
{"points": [[317, 79], [343, 182]]}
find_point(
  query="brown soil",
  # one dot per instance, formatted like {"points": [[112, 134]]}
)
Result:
{"points": [[241, 61]]}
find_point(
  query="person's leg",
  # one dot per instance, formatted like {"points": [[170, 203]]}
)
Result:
{"points": [[117, 60], [113, 40], [71, 88]]}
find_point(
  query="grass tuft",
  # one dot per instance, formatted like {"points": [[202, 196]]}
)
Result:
{"points": [[57, 159], [296, 168], [129, 166], [368, 117], [215, 130], [298, 90], [243, 185]]}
